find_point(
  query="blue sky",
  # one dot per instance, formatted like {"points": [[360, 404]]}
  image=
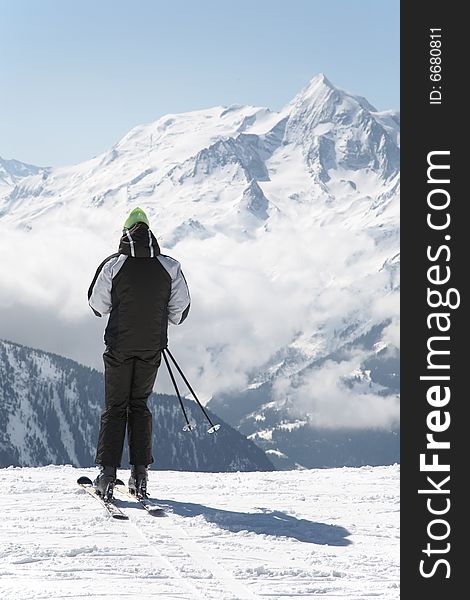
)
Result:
{"points": [[77, 75]]}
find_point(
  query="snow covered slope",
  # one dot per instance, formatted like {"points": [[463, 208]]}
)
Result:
{"points": [[13, 171], [227, 536], [50, 410], [286, 224], [294, 439]]}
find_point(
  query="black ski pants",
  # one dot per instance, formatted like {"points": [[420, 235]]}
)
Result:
{"points": [[129, 379]]}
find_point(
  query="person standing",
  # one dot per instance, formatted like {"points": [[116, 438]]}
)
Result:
{"points": [[141, 290]]}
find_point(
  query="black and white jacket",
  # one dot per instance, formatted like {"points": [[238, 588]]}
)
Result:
{"points": [[141, 290]]}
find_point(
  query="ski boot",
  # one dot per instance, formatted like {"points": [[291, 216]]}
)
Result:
{"points": [[104, 483], [138, 481]]}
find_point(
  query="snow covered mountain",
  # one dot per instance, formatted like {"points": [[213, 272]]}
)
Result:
{"points": [[286, 224], [292, 439], [50, 408], [13, 171]]}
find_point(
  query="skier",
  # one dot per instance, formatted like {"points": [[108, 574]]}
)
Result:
{"points": [[141, 290]]}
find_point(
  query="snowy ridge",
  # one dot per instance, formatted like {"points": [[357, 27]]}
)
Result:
{"points": [[13, 171], [237, 143], [50, 410], [227, 536]]}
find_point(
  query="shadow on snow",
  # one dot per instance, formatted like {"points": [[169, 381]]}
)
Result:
{"points": [[267, 522]]}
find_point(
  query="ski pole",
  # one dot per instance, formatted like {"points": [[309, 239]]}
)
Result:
{"points": [[213, 428], [188, 426]]}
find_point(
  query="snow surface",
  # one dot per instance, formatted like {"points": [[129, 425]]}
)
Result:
{"points": [[296, 534]]}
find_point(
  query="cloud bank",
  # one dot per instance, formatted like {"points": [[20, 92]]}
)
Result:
{"points": [[249, 299]]}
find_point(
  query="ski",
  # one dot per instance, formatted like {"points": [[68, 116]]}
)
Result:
{"points": [[151, 507], [113, 510]]}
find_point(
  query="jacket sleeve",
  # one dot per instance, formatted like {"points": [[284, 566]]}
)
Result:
{"points": [[180, 301], [99, 292]]}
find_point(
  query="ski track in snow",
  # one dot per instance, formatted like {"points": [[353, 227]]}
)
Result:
{"points": [[243, 536]]}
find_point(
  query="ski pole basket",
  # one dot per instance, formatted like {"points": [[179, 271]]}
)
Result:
{"points": [[189, 426]]}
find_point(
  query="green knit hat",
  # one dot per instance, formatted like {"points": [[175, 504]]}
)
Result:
{"points": [[136, 216]]}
